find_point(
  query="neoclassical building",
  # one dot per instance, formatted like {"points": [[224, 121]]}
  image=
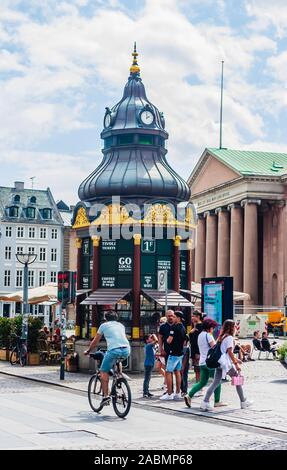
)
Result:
{"points": [[134, 190], [242, 221]]}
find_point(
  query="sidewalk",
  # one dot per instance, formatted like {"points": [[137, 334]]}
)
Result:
{"points": [[265, 384]]}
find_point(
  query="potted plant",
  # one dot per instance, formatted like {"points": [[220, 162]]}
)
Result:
{"points": [[5, 331], [34, 327], [282, 352], [72, 362]]}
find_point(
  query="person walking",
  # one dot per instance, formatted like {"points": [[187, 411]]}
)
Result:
{"points": [[175, 342], [228, 365], [150, 342], [205, 342], [196, 320], [185, 366]]}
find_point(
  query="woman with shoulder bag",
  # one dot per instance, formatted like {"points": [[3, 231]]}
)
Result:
{"points": [[228, 365], [205, 342]]}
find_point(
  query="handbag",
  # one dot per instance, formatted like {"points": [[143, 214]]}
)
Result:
{"points": [[237, 380]]}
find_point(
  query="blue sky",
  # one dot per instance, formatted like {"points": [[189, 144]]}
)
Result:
{"points": [[62, 62]]}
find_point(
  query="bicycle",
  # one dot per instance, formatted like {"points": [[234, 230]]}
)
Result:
{"points": [[120, 391], [19, 352]]}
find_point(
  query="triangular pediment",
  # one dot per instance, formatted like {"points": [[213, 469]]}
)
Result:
{"points": [[210, 173]]}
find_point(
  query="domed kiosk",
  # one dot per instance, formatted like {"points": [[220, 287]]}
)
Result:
{"points": [[134, 223]]}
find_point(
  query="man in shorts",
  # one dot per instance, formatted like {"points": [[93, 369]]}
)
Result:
{"points": [[175, 341]]}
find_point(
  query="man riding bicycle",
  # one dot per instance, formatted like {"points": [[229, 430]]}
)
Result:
{"points": [[118, 347]]}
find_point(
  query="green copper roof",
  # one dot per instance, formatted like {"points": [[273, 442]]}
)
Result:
{"points": [[253, 163]]}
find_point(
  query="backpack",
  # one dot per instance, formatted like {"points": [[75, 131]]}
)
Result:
{"points": [[213, 356]]}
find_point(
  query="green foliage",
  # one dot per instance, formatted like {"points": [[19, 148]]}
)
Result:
{"points": [[5, 331], [16, 325], [282, 352], [35, 325]]}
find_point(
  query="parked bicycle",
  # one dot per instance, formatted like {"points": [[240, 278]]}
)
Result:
{"points": [[19, 351], [121, 396]]}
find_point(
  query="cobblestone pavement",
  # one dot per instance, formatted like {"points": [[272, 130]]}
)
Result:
{"points": [[35, 416], [265, 384]]}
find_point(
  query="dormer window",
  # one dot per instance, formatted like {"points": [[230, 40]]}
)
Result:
{"points": [[47, 213], [30, 212], [13, 211], [17, 199], [33, 200]]}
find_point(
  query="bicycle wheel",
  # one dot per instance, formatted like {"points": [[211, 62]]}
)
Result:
{"points": [[95, 393], [23, 355], [121, 397], [13, 356]]}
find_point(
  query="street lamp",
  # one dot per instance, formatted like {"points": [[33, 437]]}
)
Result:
{"points": [[25, 259]]}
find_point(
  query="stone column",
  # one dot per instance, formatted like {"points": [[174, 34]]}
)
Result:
{"points": [[211, 244], [176, 263], [223, 252], [236, 246], [136, 288], [79, 285], [189, 283], [250, 259], [95, 282], [200, 248], [281, 237]]}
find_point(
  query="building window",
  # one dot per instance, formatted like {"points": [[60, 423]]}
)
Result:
{"points": [[31, 250], [7, 252], [145, 139], [47, 213], [19, 278], [8, 232], [54, 233], [30, 212], [13, 211], [17, 198], [33, 200], [108, 142], [30, 278], [53, 277], [32, 232], [42, 278], [43, 233], [7, 278], [42, 254], [54, 254], [125, 139], [20, 232], [19, 250]]}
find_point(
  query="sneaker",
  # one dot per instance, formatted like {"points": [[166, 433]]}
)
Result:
{"points": [[205, 406], [106, 401], [246, 404], [177, 396], [147, 395], [166, 396], [219, 404], [187, 400]]}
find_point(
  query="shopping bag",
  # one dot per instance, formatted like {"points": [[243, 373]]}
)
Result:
{"points": [[237, 380]]}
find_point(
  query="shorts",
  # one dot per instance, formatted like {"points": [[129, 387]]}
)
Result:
{"points": [[174, 363], [112, 356]]}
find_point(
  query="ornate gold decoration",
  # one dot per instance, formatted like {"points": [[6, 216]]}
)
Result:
{"points": [[134, 67], [81, 219], [114, 214], [177, 240], [96, 241], [159, 214], [137, 239], [189, 244], [79, 243]]}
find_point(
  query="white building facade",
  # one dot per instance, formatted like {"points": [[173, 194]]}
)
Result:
{"points": [[30, 222]]}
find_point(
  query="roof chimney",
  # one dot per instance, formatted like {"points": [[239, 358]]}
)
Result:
{"points": [[19, 185]]}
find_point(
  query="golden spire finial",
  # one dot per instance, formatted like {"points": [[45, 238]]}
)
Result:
{"points": [[134, 67]]}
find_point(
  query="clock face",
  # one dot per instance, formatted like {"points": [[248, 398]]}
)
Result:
{"points": [[147, 117], [107, 120]]}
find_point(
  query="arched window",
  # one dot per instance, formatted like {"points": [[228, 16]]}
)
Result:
{"points": [[30, 212], [33, 200], [17, 198]]}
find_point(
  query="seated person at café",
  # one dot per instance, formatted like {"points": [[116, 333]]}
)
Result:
{"points": [[256, 341], [266, 345], [243, 351]]}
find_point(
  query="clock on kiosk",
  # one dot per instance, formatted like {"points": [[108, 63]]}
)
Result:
{"points": [[146, 117]]}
